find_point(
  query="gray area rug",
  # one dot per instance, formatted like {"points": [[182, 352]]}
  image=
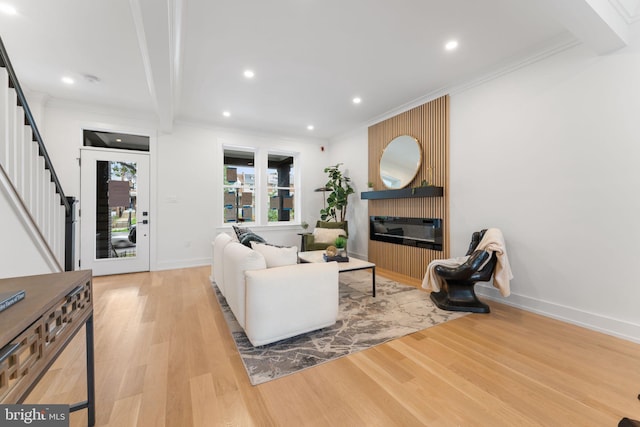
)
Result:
{"points": [[363, 322]]}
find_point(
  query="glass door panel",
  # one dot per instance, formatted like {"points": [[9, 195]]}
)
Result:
{"points": [[114, 211], [116, 199]]}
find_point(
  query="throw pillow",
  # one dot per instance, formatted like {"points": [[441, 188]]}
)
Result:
{"points": [[249, 237], [327, 235], [276, 256], [241, 231]]}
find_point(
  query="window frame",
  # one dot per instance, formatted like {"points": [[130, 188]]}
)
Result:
{"points": [[294, 184], [261, 186]]}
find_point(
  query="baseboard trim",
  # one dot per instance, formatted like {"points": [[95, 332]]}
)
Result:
{"points": [[184, 263], [597, 322]]}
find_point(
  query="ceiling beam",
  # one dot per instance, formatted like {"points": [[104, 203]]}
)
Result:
{"points": [[158, 25], [594, 22]]}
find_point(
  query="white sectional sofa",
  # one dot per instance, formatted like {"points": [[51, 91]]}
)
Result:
{"points": [[274, 303]]}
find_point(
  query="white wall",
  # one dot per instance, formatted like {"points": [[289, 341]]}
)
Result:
{"points": [[549, 154], [61, 131], [19, 253], [62, 134], [189, 186], [352, 149]]}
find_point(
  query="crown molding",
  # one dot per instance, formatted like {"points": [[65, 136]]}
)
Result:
{"points": [[557, 45], [629, 10]]}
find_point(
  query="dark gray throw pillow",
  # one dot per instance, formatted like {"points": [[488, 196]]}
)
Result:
{"points": [[241, 231], [249, 237]]}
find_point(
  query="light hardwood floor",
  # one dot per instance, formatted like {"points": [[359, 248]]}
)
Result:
{"points": [[164, 357]]}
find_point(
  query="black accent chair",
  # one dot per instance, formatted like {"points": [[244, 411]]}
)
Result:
{"points": [[628, 422], [457, 293]]}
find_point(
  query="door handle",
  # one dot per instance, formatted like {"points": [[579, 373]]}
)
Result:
{"points": [[145, 221]]}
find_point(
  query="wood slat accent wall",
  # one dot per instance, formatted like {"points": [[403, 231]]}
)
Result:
{"points": [[429, 123]]}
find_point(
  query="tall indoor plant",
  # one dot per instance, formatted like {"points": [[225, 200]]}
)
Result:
{"points": [[338, 198]]}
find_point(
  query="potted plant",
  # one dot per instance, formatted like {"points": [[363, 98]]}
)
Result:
{"points": [[340, 189], [369, 186], [341, 244]]}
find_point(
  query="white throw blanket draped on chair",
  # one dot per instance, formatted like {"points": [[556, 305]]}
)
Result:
{"points": [[492, 241]]}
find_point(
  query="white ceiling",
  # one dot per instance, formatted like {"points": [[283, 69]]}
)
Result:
{"points": [[184, 59]]}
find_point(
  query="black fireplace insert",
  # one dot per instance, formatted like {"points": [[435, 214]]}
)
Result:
{"points": [[419, 232]]}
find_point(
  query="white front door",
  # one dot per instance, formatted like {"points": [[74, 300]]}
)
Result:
{"points": [[114, 211]]}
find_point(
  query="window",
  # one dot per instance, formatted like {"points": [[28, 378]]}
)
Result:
{"points": [[239, 186], [259, 186], [121, 141], [280, 187]]}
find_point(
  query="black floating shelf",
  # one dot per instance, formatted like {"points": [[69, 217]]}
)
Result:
{"points": [[403, 193]]}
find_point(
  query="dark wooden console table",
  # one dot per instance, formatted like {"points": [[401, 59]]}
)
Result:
{"points": [[35, 331]]}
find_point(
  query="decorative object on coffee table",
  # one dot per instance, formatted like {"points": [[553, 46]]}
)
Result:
{"points": [[341, 245], [336, 258], [337, 253]]}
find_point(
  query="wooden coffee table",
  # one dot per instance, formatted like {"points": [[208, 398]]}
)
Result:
{"points": [[351, 265]]}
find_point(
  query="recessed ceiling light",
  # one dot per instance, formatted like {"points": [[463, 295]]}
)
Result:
{"points": [[357, 100], [68, 80], [451, 45], [249, 74], [118, 140], [226, 114], [310, 127], [7, 9]]}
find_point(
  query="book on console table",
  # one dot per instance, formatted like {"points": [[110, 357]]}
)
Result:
{"points": [[7, 299], [337, 258]]}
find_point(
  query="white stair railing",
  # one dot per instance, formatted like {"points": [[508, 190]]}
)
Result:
{"points": [[26, 172]]}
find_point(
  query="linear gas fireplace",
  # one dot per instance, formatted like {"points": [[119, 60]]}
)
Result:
{"points": [[420, 232]]}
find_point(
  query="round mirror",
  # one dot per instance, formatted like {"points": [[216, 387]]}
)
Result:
{"points": [[400, 161]]}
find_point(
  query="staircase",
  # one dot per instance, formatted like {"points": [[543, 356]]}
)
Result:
{"points": [[27, 176]]}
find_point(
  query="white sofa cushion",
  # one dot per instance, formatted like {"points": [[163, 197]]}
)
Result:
{"points": [[237, 260], [276, 256], [327, 235], [283, 302], [219, 243]]}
